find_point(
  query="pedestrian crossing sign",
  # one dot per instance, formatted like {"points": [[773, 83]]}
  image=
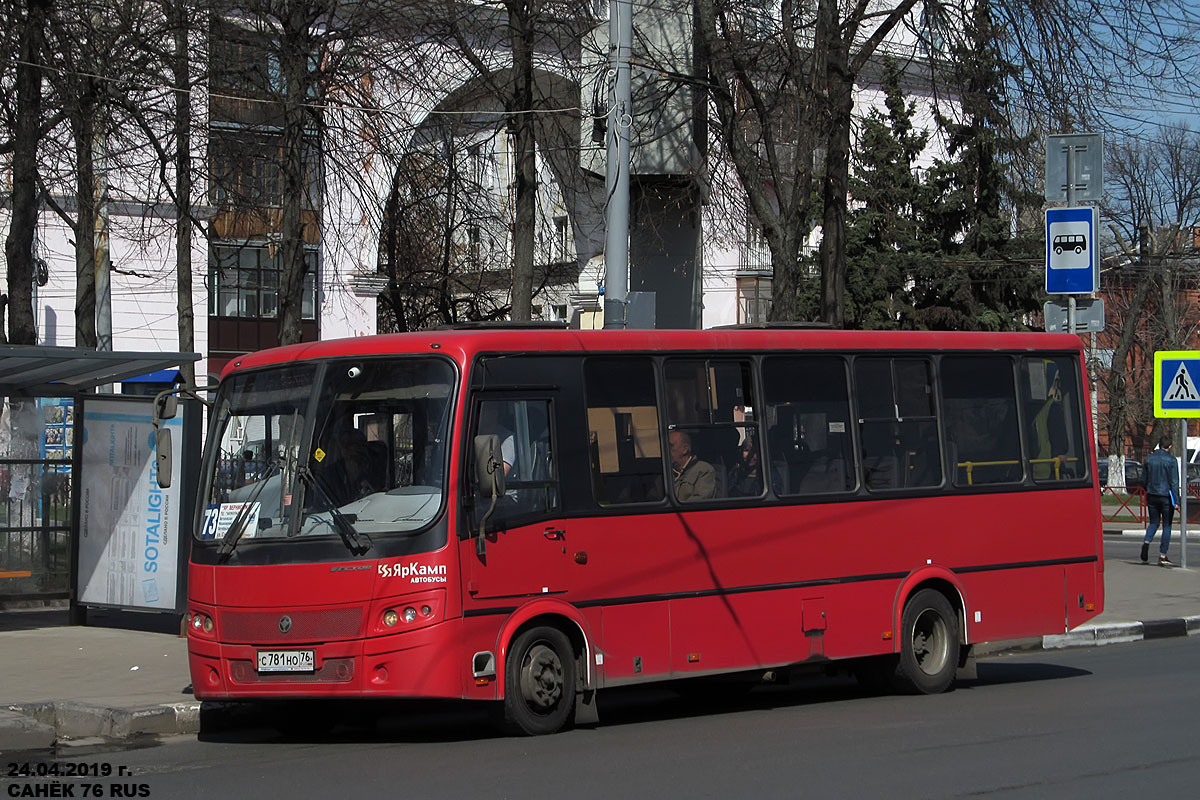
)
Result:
{"points": [[1177, 384]]}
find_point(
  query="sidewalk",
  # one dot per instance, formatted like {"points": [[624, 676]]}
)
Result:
{"points": [[78, 682], [64, 682]]}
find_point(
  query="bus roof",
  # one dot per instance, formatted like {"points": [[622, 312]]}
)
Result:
{"points": [[464, 344]]}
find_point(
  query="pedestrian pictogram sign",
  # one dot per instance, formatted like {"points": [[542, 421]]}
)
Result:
{"points": [[1177, 384]]}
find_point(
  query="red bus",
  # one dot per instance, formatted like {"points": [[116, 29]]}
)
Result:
{"points": [[528, 515]]}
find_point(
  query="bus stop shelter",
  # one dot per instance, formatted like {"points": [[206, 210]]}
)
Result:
{"points": [[44, 391]]}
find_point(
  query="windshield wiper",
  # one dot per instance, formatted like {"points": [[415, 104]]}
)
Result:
{"points": [[341, 522], [238, 526]]}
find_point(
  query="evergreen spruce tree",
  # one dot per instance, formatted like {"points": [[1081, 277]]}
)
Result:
{"points": [[982, 278], [882, 248]]}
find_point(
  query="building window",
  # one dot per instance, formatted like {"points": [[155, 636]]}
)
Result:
{"points": [[753, 299], [247, 169], [473, 243], [244, 282], [562, 238]]}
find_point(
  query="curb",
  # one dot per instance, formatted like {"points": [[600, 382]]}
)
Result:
{"points": [[19, 732], [1120, 632], [33, 726], [1192, 533]]}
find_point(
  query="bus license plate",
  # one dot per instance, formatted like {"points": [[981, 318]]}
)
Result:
{"points": [[286, 661]]}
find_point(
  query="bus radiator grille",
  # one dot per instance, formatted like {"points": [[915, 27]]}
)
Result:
{"points": [[263, 627]]}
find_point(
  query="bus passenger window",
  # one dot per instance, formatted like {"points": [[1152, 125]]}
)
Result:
{"points": [[623, 440], [710, 419], [807, 448], [898, 429], [979, 396], [1052, 419]]}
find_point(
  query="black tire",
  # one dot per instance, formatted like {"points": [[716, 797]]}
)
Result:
{"points": [[929, 644], [539, 684]]}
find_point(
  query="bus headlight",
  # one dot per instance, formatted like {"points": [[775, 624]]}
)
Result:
{"points": [[393, 615], [199, 621]]}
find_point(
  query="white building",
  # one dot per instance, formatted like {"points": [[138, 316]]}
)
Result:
{"points": [[704, 267]]}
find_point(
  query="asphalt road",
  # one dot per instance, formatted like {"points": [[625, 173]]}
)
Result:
{"points": [[1115, 721]]}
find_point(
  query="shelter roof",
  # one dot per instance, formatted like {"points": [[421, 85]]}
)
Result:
{"points": [[43, 371]]}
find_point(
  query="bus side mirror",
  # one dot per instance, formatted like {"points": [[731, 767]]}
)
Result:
{"points": [[167, 406], [489, 481], [489, 467], [162, 448]]}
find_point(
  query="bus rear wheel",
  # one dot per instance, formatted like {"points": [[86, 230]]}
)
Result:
{"points": [[539, 687], [929, 647]]}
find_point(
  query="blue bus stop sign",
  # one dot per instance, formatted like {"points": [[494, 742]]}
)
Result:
{"points": [[1072, 265]]}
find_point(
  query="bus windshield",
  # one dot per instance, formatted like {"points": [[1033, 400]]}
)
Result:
{"points": [[350, 448]]}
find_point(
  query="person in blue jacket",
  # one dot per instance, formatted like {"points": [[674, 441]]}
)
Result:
{"points": [[1161, 479]]}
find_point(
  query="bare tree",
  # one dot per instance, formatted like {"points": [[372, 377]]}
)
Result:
{"points": [[178, 17], [782, 87], [1153, 210], [503, 43], [18, 247]]}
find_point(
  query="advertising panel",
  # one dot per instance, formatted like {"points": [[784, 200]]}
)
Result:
{"points": [[129, 545]]}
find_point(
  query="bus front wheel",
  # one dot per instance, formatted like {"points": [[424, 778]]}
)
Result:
{"points": [[539, 688], [930, 645]]}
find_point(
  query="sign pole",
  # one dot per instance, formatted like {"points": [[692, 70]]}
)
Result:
{"points": [[1177, 396], [1071, 204], [1183, 495]]}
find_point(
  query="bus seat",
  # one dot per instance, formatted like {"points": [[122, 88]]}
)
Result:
{"points": [[779, 476]]}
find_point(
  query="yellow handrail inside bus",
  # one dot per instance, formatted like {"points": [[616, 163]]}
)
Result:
{"points": [[971, 465]]}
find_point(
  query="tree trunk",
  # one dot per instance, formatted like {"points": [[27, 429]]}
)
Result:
{"points": [[835, 187], [18, 246], [785, 266], [521, 125], [294, 69], [183, 188], [83, 124]]}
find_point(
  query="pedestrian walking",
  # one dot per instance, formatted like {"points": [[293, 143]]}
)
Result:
{"points": [[1161, 480]]}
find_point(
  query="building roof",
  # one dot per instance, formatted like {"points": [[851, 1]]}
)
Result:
{"points": [[39, 371]]}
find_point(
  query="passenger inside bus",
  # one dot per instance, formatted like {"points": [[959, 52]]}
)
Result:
{"points": [[1050, 430], [745, 479], [694, 479]]}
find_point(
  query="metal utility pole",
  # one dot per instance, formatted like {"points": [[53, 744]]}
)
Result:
{"points": [[617, 166]]}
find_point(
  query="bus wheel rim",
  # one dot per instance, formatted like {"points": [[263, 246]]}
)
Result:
{"points": [[930, 642], [541, 678]]}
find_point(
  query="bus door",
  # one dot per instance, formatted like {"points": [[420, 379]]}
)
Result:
{"points": [[516, 544]]}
